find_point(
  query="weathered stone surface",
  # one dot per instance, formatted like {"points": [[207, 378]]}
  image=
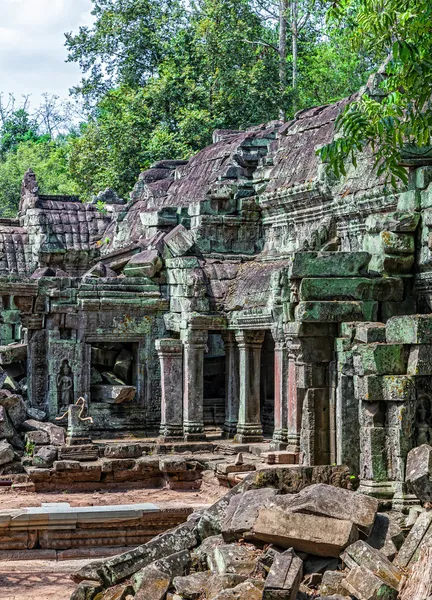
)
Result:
{"points": [[418, 535], [363, 555], [233, 558], [243, 511], [351, 288], [17, 411], [370, 332], [179, 240], [113, 394], [154, 584], [45, 457], [333, 583], [418, 584], [123, 364], [144, 264], [249, 590], [6, 453], [395, 221], [335, 312], [329, 264], [419, 472], [86, 590], [409, 329], [386, 536], [306, 533], [365, 585], [39, 438], [284, 578], [387, 388], [327, 501], [56, 434], [380, 359], [206, 584], [420, 360]]}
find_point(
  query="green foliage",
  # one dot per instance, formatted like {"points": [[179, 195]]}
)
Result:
{"points": [[48, 160], [399, 112], [19, 127]]}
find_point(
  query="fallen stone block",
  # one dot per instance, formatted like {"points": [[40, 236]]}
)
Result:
{"points": [[363, 555], [333, 583], [283, 581], [312, 534], [418, 584], [45, 457], [154, 584], [6, 453], [86, 590], [144, 264], [420, 533], [419, 472], [365, 585], [16, 410], [249, 590], [56, 434], [197, 586], [328, 501], [38, 438], [234, 558], [123, 365], [179, 240], [243, 511], [386, 536]]}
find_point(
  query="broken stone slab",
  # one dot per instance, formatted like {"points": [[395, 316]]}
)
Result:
{"points": [[328, 501], [333, 583], [361, 554], [409, 329], [123, 451], [380, 359], [205, 584], [111, 379], [113, 394], [210, 522], [387, 388], [248, 590], [56, 434], [179, 240], [419, 535], [418, 584], [243, 510], [38, 438], [352, 288], [154, 584], [86, 590], [234, 558], [419, 472], [284, 578], [45, 457], [16, 410], [120, 567], [335, 311], [36, 414], [175, 565], [365, 585], [6, 453], [313, 534], [329, 264], [13, 353], [144, 264]]}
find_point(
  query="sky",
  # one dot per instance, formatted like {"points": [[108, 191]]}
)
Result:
{"points": [[32, 51]]}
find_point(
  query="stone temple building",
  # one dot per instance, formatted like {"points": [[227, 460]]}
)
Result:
{"points": [[246, 289]]}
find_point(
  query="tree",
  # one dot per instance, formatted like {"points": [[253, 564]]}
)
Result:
{"points": [[19, 127], [400, 111]]}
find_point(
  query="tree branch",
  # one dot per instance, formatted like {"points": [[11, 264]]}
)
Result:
{"points": [[261, 43]]}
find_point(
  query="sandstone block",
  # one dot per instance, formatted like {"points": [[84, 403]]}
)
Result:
{"points": [[329, 264], [386, 536], [419, 472], [394, 221], [205, 585], [420, 360], [380, 359], [39, 438], [410, 329], [56, 434], [243, 510], [6, 453], [363, 555], [249, 590], [313, 534], [45, 457], [365, 585], [284, 578], [351, 288], [328, 501], [387, 388], [335, 312], [179, 240], [123, 364], [234, 558], [144, 264], [369, 333], [333, 583], [154, 584], [419, 534], [86, 590]]}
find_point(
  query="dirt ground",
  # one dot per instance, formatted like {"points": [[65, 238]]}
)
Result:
{"points": [[49, 579]]}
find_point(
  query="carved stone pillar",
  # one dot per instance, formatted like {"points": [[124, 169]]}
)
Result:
{"points": [[170, 354], [295, 397], [194, 346], [249, 428], [232, 384], [281, 377]]}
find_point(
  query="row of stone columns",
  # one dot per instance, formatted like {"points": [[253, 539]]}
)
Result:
{"points": [[182, 368]]}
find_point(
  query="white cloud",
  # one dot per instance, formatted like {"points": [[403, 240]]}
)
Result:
{"points": [[32, 51]]}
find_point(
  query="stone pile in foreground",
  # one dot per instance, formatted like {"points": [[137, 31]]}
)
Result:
{"points": [[310, 540]]}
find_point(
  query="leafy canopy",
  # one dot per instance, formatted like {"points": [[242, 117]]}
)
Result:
{"points": [[400, 111]]}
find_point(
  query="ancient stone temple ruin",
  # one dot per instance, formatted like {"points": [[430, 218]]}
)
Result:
{"points": [[245, 290]]}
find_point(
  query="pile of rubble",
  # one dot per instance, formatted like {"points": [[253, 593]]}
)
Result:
{"points": [[24, 432], [263, 543]]}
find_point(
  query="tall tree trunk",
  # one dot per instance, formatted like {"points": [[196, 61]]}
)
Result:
{"points": [[294, 33], [283, 14]]}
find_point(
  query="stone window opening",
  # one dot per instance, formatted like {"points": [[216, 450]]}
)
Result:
{"points": [[114, 372]]}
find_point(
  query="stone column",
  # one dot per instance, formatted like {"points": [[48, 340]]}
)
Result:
{"points": [[295, 398], [194, 346], [249, 428], [281, 377], [232, 384], [170, 354]]}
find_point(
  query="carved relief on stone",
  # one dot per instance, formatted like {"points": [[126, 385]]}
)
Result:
{"points": [[65, 387], [423, 425]]}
